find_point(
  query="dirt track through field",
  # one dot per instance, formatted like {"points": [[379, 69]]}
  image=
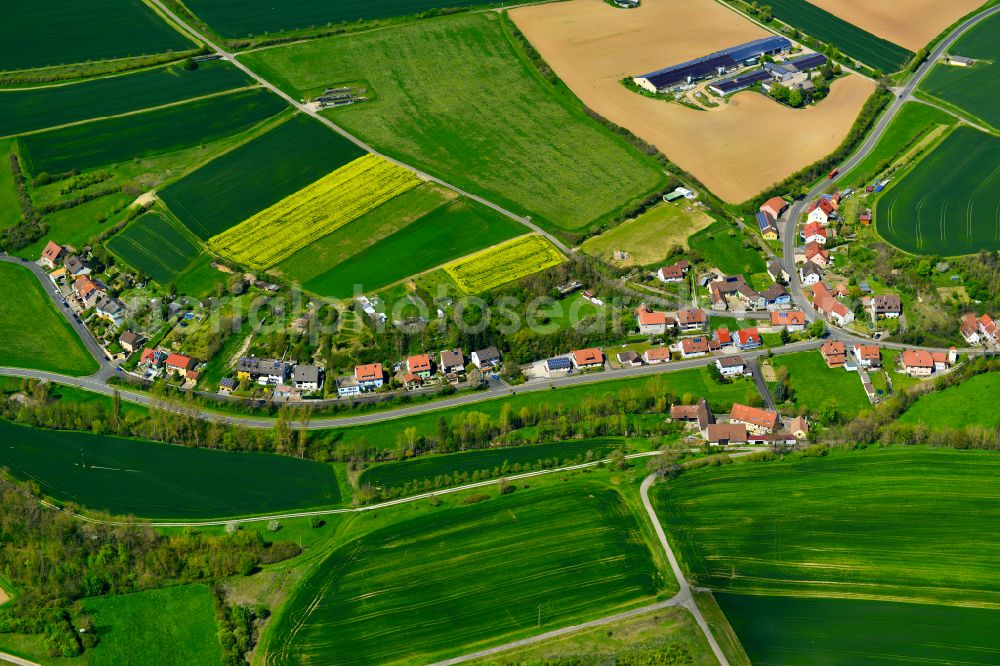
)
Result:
{"points": [[738, 149], [909, 23]]}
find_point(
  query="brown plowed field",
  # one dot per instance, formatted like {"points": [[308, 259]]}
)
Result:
{"points": [[738, 149], [910, 23]]}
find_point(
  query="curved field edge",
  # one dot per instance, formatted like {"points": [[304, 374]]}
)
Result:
{"points": [[496, 570], [862, 524], [57, 349], [133, 477], [434, 111]]}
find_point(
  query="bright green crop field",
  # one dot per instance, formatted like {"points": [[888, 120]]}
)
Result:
{"points": [[903, 524], [55, 32], [465, 578], [151, 133], [155, 245], [426, 468], [150, 480], [236, 18], [727, 252], [452, 231], [874, 51], [957, 406], [457, 99], [947, 203], [807, 371], [10, 212], [33, 333], [38, 108], [972, 89], [913, 121], [784, 631], [259, 173]]}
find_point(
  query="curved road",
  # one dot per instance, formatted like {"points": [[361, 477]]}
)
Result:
{"points": [[903, 95]]}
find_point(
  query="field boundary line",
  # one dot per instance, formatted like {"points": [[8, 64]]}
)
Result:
{"points": [[136, 112]]}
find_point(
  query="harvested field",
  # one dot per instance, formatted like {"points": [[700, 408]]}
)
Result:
{"points": [[909, 23], [649, 237], [731, 148]]}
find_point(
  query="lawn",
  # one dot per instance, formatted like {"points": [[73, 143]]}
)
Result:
{"points": [[781, 631], [155, 245], [150, 133], [174, 625], [34, 334], [874, 51], [66, 31], [237, 18], [485, 464], [972, 89], [38, 108], [721, 245], [902, 524], [650, 236], [457, 99], [913, 122], [815, 385], [452, 230], [200, 278], [472, 577], [256, 175], [957, 406], [150, 480], [946, 204]]}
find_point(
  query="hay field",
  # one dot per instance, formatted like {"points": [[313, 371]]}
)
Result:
{"points": [[909, 23], [736, 150], [650, 236]]}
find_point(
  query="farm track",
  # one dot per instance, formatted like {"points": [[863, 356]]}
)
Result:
{"points": [[795, 213], [526, 221]]}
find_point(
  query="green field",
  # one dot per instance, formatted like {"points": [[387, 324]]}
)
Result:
{"points": [[426, 468], [465, 578], [783, 631], [34, 334], [874, 51], [150, 480], [650, 236], [957, 406], [76, 226], [175, 625], [453, 230], [914, 121], [151, 133], [896, 524], [35, 34], [807, 372], [10, 212], [947, 203], [250, 178], [726, 252], [514, 139], [233, 18], [29, 110], [972, 89], [156, 246]]}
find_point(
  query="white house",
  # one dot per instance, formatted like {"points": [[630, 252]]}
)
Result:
{"points": [[731, 366], [486, 358]]}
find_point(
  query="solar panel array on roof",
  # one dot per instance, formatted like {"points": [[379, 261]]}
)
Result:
{"points": [[558, 363], [741, 82], [726, 58], [808, 61], [764, 220]]}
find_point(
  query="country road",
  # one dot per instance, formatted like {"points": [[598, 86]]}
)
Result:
{"points": [[226, 55], [790, 231], [17, 661]]}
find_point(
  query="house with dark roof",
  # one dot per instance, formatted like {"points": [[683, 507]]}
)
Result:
{"points": [[768, 228], [734, 285], [692, 319], [884, 306], [452, 361], [264, 371], [776, 297], [731, 366], [307, 377], [558, 364], [628, 358], [810, 273], [130, 341], [486, 359], [777, 271]]}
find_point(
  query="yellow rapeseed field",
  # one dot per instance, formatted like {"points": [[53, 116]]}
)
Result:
{"points": [[278, 232], [503, 263]]}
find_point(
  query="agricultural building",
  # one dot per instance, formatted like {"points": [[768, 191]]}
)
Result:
{"points": [[774, 207], [714, 64], [740, 82], [757, 421], [782, 71]]}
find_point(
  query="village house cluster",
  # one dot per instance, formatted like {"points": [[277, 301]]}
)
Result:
{"points": [[743, 425]]}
